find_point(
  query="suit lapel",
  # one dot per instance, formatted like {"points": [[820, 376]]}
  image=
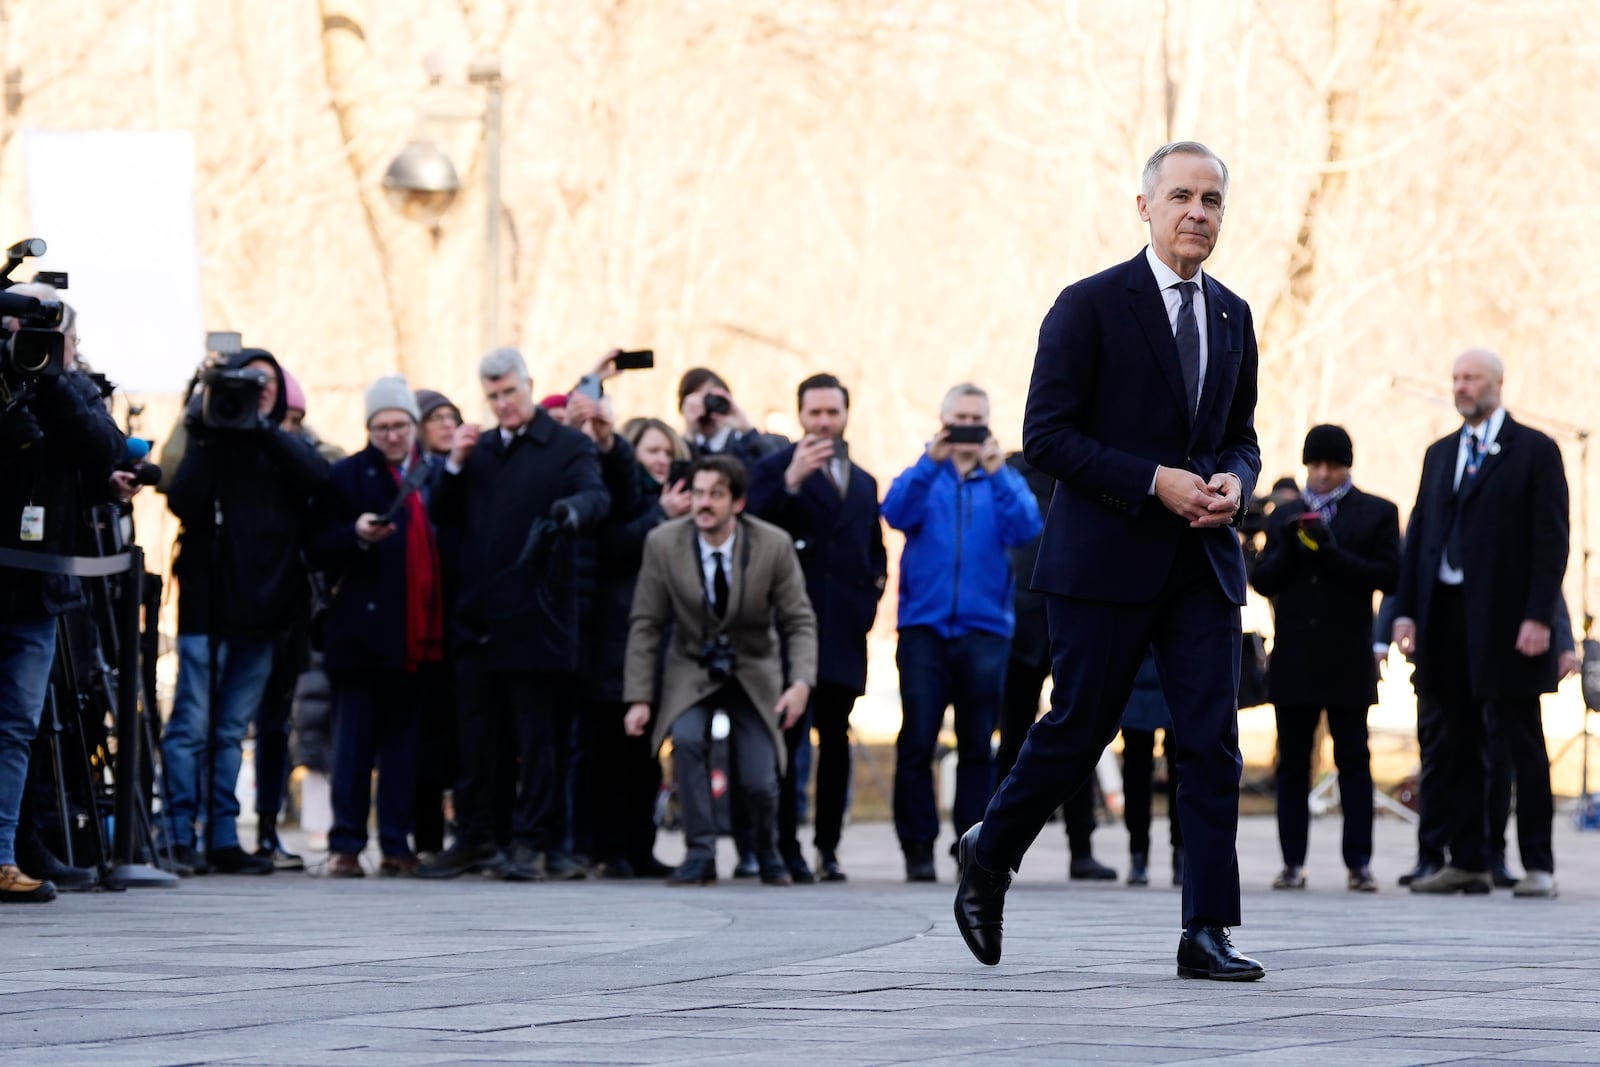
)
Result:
{"points": [[1151, 312]]}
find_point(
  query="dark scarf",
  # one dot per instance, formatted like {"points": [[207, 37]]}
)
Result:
{"points": [[424, 592]]}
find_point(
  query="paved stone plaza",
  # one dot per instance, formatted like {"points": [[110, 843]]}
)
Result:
{"points": [[290, 970]]}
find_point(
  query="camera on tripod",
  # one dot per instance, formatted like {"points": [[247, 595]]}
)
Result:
{"points": [[718, 658], [35, 349]]}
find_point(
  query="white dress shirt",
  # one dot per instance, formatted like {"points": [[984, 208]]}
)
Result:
{"points": [[708, 564], [717, 442], [1168, 279], [1489, 430]]}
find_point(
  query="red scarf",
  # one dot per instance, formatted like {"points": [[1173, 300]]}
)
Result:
{"points": [[424, 593]]}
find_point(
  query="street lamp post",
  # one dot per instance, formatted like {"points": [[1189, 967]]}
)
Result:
{"points": [[422, 184]]}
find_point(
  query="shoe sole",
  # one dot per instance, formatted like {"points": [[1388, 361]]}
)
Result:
{"points": [[1242, 976]]}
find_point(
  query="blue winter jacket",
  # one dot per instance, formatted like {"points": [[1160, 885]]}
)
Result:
{"points": [[955, 572]]}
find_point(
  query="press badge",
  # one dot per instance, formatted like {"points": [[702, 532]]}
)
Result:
{"points": [[32, 523]]}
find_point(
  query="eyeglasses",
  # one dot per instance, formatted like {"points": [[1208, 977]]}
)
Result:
{"points": [[390, 429], [443, 416]]}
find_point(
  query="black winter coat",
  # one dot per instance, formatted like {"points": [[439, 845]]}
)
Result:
{"points": [[840, 544], [1514, 544], [619, 552], [262, 482], [1030, 641], [62, 472], [521, 616], [1322, 601], [365, 625]]}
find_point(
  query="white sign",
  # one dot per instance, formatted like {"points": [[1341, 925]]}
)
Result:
{"points": [[117, 212]]}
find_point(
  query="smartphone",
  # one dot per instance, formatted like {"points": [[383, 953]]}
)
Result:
{"points": [[679, 471], [589, 386], [1311, 518], [717, 404], [841, 450], [967, 435], [643, 359]]}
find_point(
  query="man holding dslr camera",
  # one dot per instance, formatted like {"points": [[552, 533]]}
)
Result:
{"points": [[727, 586], [55, 440], [243, 492]]}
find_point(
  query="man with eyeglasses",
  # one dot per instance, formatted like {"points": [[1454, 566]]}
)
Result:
{"points": [[385, 629]]}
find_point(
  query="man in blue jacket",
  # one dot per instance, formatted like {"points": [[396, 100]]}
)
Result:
{"points": [[960, 508]]}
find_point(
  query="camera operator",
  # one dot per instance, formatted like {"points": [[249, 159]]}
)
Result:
{"points": [[518, 500], [829, 505], [242, 492], [729, 585], [715, 424], [58, 446]]}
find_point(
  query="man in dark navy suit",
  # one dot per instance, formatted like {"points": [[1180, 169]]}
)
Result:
{"points": [[1142, 409], [829, 505], [1485, 551]]}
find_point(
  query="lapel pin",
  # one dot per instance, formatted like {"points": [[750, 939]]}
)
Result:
{"points": [[1224, 314], [1494, 448]]}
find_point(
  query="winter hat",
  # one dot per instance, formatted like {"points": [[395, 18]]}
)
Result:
{"points": [[429, 401], [1328, 444], [294, 397], [391, 393]]}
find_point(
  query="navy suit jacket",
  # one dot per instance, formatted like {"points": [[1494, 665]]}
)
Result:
{"points": [[1106, 406], [840, 544]]}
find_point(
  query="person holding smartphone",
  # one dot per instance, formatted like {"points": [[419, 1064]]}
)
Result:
{"points": [[384, 631], [960, 508], [1325, 556]]}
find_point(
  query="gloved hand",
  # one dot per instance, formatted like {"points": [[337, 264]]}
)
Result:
{"points": [[20, 428], [1314, 536], [564, 515]]}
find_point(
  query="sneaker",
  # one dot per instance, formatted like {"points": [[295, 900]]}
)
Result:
{"points": [[281, 858], [1361, 880], [1290, 878], [234, 860], [562, 867], [1536, 884], [18, 888]]}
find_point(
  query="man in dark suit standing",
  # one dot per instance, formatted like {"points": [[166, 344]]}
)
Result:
{"points": [[1326, 554], [1485, 552], [1142, 408], [829, 505], [515, 502]]}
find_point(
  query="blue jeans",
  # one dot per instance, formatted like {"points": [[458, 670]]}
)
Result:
{"points": [[243, 667], [27, 650], [968, 671]]}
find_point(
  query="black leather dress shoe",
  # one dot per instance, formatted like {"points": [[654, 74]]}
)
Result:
{"points": [[1089, 869], [1423, 868], [43, 865], [799, 870], [776, 872], [1498, 870], [694, 872], [647, 866], [919, 861], [1139, 869], [747, 867], [828, 869], [1208, 952], [461, 858], [980, 902]]}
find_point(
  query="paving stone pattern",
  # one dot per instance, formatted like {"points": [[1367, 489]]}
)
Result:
{"points": [[290, 969]]}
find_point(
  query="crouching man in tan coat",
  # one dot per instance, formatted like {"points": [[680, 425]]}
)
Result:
{"points": [[728, 585]]}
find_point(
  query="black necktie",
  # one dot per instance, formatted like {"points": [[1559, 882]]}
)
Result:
{"points": [[1188, 338], [719, 587]]}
